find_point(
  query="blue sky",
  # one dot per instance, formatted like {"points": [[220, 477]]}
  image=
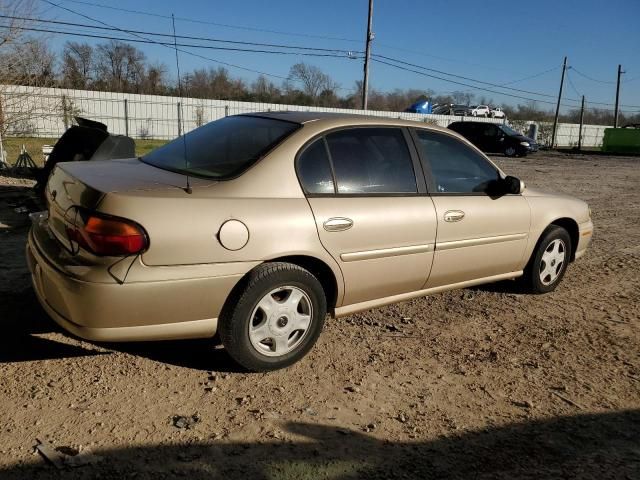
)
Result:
{"points": [[489, 40]]}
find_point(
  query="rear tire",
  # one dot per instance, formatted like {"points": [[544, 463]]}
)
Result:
{"points": [[549, 261], [274, 317]]}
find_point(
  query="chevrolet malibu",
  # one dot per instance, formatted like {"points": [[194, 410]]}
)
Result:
{"points": [[255, 227]]}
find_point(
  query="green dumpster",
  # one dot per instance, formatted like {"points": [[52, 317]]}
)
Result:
{"points": [[622, 140]]}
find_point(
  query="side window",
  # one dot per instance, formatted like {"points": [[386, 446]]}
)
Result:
{"points": [[455, 167], [314, 170], [371, 160], [490, 130]]}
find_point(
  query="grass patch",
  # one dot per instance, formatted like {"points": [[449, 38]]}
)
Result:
{"points": [[145, 146], [12, 146]]}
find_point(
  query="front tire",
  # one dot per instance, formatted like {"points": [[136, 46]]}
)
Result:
{"points": [[510, 151], [274, 317], [549, 261]]}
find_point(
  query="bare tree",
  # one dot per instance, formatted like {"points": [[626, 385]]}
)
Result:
{"points": [[313, 80], [77, 65], [155, 81], [265, 91], [13, 28], [215, 83], [120, 67], [463, 98]]}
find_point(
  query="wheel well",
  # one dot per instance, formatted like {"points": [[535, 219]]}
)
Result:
{"points": [[571, 227], [321, 271]]}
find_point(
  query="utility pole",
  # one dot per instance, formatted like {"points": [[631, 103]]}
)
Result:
{"points": [[555, 120], [581, 123], [367, 54], [615, 115]]}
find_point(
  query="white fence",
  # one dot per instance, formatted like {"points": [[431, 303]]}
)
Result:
{"points": [[48, 112]]}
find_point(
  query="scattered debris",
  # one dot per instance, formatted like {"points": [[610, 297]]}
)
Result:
{"points": [[567, 400], [369, 427], [62, 457], [522, 403], [180, 421], [484, 389], [50, 454]]}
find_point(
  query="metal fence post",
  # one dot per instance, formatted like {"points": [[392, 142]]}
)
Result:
{"points": [[126, 118], [179, 120], [65, 116]]}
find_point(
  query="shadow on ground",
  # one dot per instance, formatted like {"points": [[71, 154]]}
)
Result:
{"points": [[598, 446], [24, 322]]}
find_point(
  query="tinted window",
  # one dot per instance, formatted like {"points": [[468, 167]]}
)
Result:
{"points": [[314, 170], [371, 160], [223, 148], [455, 167], [489, 130]]}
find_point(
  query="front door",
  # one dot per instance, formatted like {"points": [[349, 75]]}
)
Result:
{"points": [[371, 210], [480, 234]]}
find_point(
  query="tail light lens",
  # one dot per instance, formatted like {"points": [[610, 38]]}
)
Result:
{"points": [[107, 235]]}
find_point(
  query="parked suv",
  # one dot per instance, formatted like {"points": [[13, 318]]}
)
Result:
{"points": [[493, 138], [497, 113], [480, 111], [256, 226]]}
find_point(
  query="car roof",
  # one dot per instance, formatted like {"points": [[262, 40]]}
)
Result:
{"points": [[333, 119]]}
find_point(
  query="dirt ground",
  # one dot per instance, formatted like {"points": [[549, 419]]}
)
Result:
{"points": [[479, 383]]}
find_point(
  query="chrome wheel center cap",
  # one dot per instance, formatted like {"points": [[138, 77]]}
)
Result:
{"points": [[282, 321]]}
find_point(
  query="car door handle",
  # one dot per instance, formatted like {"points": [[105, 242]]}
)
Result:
{"points": [[453, 215], [337, 224]]}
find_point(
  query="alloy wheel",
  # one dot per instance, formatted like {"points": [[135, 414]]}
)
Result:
{"points": [[280, 321]]}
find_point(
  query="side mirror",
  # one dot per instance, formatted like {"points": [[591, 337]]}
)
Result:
{"points": [[513, 185]]}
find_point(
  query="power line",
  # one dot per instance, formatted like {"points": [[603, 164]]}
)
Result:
{"points": [[277, 32], [494, 84], [591, 78], [571, 83], [475, 87], [401, 62], [532, 76], [185, 45], [186, 37], [206, 22], [465, 78]]}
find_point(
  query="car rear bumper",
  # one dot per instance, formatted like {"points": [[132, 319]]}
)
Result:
{"points": [[186, 306]]}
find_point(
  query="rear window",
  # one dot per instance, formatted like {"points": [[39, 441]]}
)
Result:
{"points": [[221, 149]]}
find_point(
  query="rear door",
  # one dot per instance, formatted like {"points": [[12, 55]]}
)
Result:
{"points": [[488, 138], [480, 234], [371, 209]]}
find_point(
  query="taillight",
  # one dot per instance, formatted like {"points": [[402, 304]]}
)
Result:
{"points": [[107, 235]]}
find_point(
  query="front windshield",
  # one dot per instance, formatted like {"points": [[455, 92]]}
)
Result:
{"points": [[509, 130], [221, 149]]}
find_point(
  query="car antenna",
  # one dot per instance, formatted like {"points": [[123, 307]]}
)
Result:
{"points": [[181, 116]]}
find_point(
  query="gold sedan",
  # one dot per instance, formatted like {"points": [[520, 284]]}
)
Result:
{"points": [[258, 226]]}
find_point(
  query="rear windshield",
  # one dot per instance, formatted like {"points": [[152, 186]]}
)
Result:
{"points": [[221, 149]]}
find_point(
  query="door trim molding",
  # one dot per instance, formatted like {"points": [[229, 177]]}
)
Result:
{"points": [[379, 302], [385, 252], [472, 242]]}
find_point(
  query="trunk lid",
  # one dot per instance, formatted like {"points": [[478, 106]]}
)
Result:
{"points": [[85, 184]]}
